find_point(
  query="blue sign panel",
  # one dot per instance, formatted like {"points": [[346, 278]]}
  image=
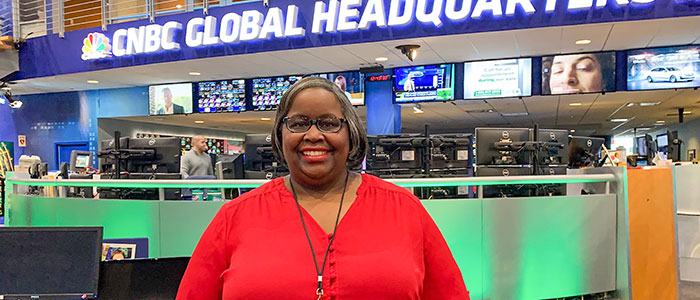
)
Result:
{"points": [[289, 24]]}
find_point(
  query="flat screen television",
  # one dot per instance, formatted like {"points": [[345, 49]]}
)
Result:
{"points": [[578, 73], [498, 78], [221, 96], [663, 68], [662, 142], [352, 83], [168, 99], [424, 83], [267, 92]]}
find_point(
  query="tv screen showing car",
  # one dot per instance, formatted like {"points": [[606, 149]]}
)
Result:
{"points": [[578, 73], [267, 92], [498, 78], [424, 83], [221, 96], [168, 99], [352, 83], [663, 68]]}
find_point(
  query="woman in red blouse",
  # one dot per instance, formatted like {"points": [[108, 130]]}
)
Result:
{"points": [[323, 232]]}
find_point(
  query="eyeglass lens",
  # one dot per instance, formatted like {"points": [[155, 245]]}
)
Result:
{"points": [[302, 124]]}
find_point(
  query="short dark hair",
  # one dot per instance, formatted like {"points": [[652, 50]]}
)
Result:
{"points": [[358, 135]]}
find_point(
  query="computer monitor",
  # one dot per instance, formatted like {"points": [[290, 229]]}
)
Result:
{"points": [[80, 160], [584, 151], [155, 155], [260, 161], [152, 278], [230, 167], [554, 147], [502, 146], [451, 153], [107, 162], [401, 153], [642, 145], [662, 142], [50, 262]]}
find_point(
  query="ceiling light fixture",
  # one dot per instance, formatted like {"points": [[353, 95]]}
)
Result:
{"points": [[178, 6], [381, 58], [575, 104], [619, 120], [195, 73], [649, 103], [411, 51], [583, 42], [93, 81], [572, 130], [265, 119], [630, 104], [660, 121], [519, 114], [417, 109], [199, 122]]}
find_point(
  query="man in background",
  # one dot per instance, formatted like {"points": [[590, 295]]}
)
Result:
{"points": [[197, 161], [170, 108]]}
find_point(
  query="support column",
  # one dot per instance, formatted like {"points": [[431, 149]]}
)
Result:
{"points": [[383, 117]]}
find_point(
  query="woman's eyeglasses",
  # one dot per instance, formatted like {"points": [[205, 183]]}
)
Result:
{"points": [[300, 124]]}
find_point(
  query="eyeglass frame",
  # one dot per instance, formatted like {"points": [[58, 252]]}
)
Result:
{"points": [[313, 122]]}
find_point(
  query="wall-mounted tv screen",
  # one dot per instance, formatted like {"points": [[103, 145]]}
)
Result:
{"points": [[424, 83], [498, 78], [267, 92], [353, 83], [168, 99], [578, 73], [221, 96], [663, 68]]}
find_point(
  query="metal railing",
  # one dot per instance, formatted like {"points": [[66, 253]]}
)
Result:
{"points": [[32, 18]]}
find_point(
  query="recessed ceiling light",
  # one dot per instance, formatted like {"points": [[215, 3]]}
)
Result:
{"points": [[687, 112], [199, 122], [178, 6], [265, 119], [519, 114], [660, 121], [417, 109], [619, 120], [583, 42], [649, 103], [381, 58], [643, 128], [572, 130], [195, 73], [630, 104], [575, 104], [93, 81]]}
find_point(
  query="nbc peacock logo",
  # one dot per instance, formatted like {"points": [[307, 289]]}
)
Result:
{"points": [[95, 46]]}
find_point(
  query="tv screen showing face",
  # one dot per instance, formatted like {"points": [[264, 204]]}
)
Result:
{"points": [[221, 96], [168, 99], [267, 92], [578, 73], [498, 78], [424, 83], [663, 68], [352, 83]]}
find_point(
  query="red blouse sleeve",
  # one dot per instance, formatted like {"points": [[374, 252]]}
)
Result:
{"points": [[203, 277], [443, 280]]}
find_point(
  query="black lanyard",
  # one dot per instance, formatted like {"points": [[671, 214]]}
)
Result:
{"points": [[319, 289]]}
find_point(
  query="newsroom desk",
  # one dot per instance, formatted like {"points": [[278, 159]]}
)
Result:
{"points": [[507, 248]]}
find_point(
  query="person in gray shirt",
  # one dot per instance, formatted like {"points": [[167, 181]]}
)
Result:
{"points": [[196, 161]]}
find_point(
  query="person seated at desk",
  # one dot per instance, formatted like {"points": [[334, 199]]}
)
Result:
{"points": [[324, 231], [197, 161]]}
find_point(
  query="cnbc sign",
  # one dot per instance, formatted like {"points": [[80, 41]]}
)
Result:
{"points": [[330, 16]]}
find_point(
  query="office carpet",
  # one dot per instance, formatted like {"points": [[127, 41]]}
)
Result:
{"points": [[689, 290]]}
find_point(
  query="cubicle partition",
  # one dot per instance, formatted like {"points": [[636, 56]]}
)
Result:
{"points": [[506, 248], [687, 194]]}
